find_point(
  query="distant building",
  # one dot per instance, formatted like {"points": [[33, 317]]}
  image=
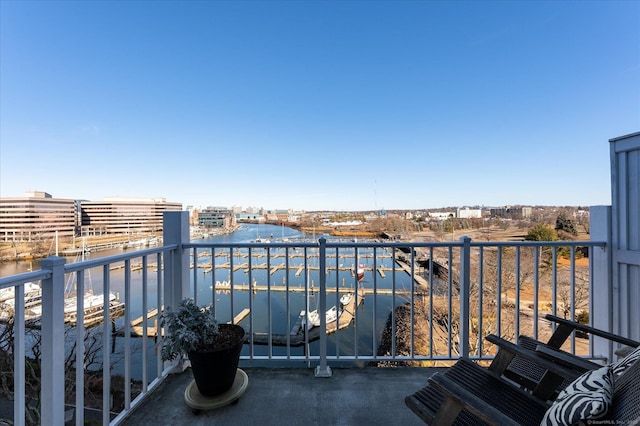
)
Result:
{"points": [[294, 217], [125, 215], [467, 213], [216, 217], [37, 216], [250, 217], [441, 215], [509, 212], [277, 215]]}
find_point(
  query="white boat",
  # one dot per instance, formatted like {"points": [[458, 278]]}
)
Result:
{"points": [[313, 318], [91, 303], [30, 290], [346, 299]]}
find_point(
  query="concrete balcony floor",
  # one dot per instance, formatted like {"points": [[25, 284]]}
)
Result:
{"points": [[294, 396]]}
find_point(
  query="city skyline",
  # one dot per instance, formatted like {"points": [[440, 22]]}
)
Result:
{"points": [[248, 208], [345, 106]]}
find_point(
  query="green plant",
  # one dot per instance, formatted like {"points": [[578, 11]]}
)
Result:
{"points": [[188, 328], [566, 224], [582, 317], [541, 232]]}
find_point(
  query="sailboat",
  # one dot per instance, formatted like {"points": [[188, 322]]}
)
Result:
{"points": [[283, 237], [345, 299], [91, 301], [313, 319], [31, 290], [259, 239]]}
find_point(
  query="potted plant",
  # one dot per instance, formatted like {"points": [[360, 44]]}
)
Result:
{"points": [[213, 349]]}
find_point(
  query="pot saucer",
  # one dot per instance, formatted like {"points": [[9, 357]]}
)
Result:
{"points": [[197, 402]]}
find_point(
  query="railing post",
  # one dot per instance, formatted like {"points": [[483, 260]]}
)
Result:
{"points": [[175, 230], [52, 362], [176, 273], [323, 370], [601, 285], [465, 286]]}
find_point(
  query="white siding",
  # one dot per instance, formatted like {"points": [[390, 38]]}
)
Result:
{"points": [[625, 238]]}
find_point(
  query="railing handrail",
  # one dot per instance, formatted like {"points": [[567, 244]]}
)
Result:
{"points": [[102, 261], [18, 279], [170, 252], [13, 280], [427, 244]]}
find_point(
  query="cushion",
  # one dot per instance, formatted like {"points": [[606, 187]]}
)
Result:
{"points": [[620, 366], [588, 397]]}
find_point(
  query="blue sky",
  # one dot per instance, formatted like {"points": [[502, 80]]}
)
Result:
{"points": [[342, 105]]}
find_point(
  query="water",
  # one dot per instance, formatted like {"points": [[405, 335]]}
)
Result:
{"points": [[276, 312], [280, 311]]}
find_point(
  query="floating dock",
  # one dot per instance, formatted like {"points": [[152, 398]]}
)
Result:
{"points": [[225, 287], [137, 329], [297, 336], [95, 316]]}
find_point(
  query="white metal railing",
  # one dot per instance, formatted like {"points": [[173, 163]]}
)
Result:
{"points": [[455, 293]]}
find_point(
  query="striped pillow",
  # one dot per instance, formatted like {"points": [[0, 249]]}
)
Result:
{"points": [[618, 367], [588, 397]]}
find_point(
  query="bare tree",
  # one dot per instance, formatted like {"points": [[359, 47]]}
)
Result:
{"points": [[92, 363]]}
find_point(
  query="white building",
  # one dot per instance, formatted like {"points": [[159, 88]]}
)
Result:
{"points": [[441, 215], [467, 213]]}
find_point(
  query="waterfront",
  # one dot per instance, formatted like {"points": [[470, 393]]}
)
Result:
{"points": [[255, 281], [275, 312]]}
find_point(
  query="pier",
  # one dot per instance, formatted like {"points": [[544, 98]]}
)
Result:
{"points": [[298, 333], [226, 287], [296, 337], [95, 315], [137, 327]]}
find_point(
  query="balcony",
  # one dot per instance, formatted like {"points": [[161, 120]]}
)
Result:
{"points": [[444, 298], [455, 292], [294, 396]]}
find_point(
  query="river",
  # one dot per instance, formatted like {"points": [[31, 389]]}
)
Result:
{"points": [[269, 310]]}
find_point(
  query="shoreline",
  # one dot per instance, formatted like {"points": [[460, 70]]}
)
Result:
{"points": [[24, 251]]}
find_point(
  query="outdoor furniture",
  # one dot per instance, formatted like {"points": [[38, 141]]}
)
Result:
{"points": [[529, 375], [553, 375], [467, 394], [488, 385]]}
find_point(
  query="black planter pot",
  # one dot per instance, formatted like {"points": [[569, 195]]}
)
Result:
{"points": [[215, 371]]}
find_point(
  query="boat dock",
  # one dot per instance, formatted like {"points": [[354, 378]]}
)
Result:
{"points": [[297, 335], [95, 315], [137, 327], [208, 268], [226, 287], [295, 254], [423, 284]]}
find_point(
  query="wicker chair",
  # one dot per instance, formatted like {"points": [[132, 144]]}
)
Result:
{"points": [[467, 394], [529, 375]]}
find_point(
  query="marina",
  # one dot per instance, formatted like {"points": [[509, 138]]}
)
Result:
{"points": [[226, 287], [92, 306], [264, 289], [301, 333]]}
